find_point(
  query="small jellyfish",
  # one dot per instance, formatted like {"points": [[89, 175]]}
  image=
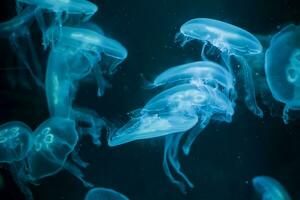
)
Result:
{"points": [[100, 193], [269, 189], [62, 9], [282, 68], [231, 41], [15, 141], [17, 29], [185, 108], [75, 54], [54, 140]]}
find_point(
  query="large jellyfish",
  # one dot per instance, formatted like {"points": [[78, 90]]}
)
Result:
{"points": [[100, 193], [269, 189], [15, 141], [231, 41], [282, 67], [54, 140], [75, 54], [16, 30], [61, 9], [189, 105]]}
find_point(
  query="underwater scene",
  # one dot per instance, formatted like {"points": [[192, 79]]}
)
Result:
{"points": [[149, 100]]}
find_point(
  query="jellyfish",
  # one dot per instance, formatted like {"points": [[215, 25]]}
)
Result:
{"points": [[185, 108], [54, 140], [15, 141], [269, 189], [16, 29], [62, 9], [100, 193], [282, 68], [75, 54], [232, 41]]}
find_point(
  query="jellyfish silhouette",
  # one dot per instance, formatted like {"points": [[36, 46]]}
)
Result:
{"points": [[17, 29], [100, 193], [282, 68], [185, 108], [75, 54], [269, 189], [232, 41], [54, 140], [61, 9], [15, 141]]}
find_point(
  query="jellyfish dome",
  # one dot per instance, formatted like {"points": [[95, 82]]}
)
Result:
{"points": [[282, 67], [269, 189], [15, 141], [100, 193], [54, 140], [231, 41]]}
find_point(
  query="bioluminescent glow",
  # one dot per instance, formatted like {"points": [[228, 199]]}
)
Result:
{"points": [[232, 41], [100, 193], [269, 189], [282, 67]]}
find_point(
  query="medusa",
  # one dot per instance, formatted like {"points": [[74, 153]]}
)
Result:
{"points": [[100, 193], [61, 9], [232, 41], [269, 189], [15, 141], [75, 54], [17, 31], [282, 68], [185, 108]]}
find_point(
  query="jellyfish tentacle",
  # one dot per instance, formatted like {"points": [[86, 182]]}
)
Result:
{"points": [[76, 172], [101, 82], [194, 133], [203, 56], [78, 160], [285, 114], [42, 24]]}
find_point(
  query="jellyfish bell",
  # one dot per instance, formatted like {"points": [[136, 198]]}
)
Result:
{"points": [[282, 69], [15, 141], [269, 188], [100, 193], [232, 41]]}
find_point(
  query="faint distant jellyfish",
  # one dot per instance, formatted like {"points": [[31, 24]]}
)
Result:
{"points": [[16, 29], [54, 140], [62, 9], [75, 53], [269, 189], [15, 141], [282, 67], [232, 41], [100, 193]]}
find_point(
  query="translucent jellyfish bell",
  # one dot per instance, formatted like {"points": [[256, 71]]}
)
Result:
{"points": [[232, 41], [15, 141], [100, 193], [282, 67], [269, 189], [17, 29]]}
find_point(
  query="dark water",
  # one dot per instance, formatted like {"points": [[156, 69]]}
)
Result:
{"points": [[224, 158]]}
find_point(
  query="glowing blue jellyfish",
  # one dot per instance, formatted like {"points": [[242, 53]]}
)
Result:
{"points": [[62, 10], [232, 41], [269, 189], [282, 67], [104, 194], [54, 140], [17, 29], [77, 53], [15, 141], [189, 105]]}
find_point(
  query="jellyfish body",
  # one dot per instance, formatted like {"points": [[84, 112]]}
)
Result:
{"points": [[282, 68], [16, 29], [75, 54], [100, 193], [189, 105], [269, 189], [15, 141], [232, 41]]}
